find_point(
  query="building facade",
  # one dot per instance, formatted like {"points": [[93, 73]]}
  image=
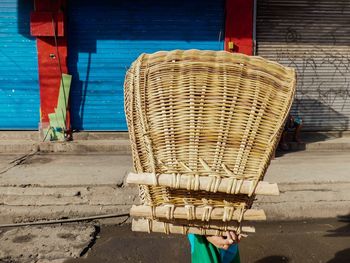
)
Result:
{"points": [[96, 42]]}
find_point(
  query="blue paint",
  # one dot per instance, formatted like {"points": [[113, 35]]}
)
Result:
{"points": [[19, 86], [106, 36]]}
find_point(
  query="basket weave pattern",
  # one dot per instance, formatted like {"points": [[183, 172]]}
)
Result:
{"points": [[205, 113]]}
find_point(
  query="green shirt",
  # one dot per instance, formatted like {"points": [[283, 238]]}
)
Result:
{"points": [[203, 251]]}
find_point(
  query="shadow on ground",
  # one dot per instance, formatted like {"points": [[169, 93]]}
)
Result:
{"points": [[308, 137], [273, 259], [342, 256], [343, 231]]}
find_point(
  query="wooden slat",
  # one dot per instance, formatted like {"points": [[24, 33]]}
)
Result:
{"points": [[181, 213], [263, 188], [142, 225]]}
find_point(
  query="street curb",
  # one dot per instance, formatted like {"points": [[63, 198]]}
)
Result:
{"points": [[122, 146], [297, 201], [20, 142]]}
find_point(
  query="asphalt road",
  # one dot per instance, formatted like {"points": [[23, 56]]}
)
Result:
{"points": [[274, 242]]}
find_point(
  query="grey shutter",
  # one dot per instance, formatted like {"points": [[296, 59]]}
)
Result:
{"points": [[313, 37]]}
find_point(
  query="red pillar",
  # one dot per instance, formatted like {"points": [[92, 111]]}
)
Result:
{"points": [[48, 21], [239, 26]]}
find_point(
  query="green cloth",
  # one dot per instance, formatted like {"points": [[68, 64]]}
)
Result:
{"points": [[203, 251]]}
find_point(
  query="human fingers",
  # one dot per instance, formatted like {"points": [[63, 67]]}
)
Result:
{"points": [[225, 247], [235, 236], [231, 237], [224, 241], [219, 241]]}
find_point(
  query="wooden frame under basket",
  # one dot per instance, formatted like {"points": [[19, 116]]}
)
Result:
{"points": [[203, 127]]}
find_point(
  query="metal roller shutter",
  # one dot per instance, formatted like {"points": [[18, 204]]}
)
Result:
{"points": [[106, 36], [314, 38], [19, 88]]}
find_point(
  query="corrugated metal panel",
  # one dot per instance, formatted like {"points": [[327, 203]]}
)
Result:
{"points": [[314, 38], [106, 36], [19, 88]]}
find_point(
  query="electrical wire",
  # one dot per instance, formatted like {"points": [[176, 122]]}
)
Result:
{"points": [[61, 221], [18, 161]]}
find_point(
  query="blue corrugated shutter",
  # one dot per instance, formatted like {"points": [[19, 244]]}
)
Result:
{"points": [[106, 36], [19, 88]]}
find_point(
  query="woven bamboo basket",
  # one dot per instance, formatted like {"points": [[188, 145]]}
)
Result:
{"points": [[203, 127]]}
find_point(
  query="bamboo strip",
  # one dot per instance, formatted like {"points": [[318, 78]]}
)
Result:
{"points": [[182, 213], [144, 225], [263, 188]]}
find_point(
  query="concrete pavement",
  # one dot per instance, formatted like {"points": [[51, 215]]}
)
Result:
{"points": [[61, 186], [44, 244], [48, 186], [306, 241], [312, 185], [315, 241]]}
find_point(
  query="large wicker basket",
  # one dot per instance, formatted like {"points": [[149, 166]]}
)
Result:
{"points": [[203, 127]]}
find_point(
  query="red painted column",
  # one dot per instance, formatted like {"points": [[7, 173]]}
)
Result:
{"points": [[48, 20], [239, 26]]}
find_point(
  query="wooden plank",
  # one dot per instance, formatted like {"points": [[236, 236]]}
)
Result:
{"points": [[262, 188], [142, 225], [182, 213]]}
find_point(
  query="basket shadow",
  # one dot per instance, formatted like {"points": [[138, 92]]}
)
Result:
{"points": [[273, 259], [342, 256], [343, 231]]}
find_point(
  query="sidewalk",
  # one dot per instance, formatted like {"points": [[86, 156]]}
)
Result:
{"points": [[312, 185], [47, 186], [20, 142], [51, 186]]}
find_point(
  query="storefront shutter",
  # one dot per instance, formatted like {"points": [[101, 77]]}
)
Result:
{"points": [[106, 36], [19, 88], [314, 38]]}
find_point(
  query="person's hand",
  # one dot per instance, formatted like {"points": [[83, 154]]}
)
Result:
{"points": [[224, 242]]}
